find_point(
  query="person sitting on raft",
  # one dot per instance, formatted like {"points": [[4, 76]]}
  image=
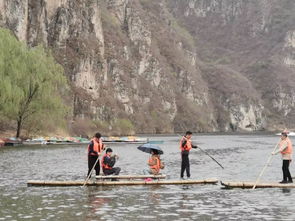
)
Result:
{"points": [[154, 163], [108, 161]]}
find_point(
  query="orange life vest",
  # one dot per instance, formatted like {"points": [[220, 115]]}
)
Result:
{"points": [[288, 150], [103, 165], [187, 146], [97, 146], [157, 166]]}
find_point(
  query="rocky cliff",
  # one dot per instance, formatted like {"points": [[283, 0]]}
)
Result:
{"points": [[168, 65]]}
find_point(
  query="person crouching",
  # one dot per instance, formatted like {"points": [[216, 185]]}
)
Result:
{"points": [[154, 163], [108, 161]]}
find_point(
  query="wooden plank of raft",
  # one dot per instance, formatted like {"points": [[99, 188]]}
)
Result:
{"points": [[259, 185], [107, 183], [131, 177]]}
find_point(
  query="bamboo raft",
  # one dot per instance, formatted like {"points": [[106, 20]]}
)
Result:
{"points": [[130, 177], [245, 185], [114, 183]]}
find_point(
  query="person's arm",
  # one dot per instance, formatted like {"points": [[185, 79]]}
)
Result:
{"points": [[152, 162], [91, 147], [282, 148], [162, 165], [183, 142], [110, 161], [101, 147]]}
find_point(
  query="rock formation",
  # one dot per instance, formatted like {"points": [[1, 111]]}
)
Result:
{"points": [[168, 66]]}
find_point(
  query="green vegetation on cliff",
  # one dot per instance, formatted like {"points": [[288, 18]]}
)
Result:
{"points": [[31, 85]]}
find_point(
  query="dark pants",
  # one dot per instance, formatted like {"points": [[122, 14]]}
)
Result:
{"points": [[115, 171], [91, 162], [185, 165], [286, 172]]}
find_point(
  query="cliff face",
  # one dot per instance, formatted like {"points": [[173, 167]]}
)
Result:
{"points": [[164, 66]]}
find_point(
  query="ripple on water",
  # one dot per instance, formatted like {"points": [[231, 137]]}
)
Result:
{"points": [[63, 206], [148, 217]]}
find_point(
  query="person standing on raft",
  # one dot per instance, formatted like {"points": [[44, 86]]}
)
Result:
{"points": [[95, 149], [285, 148], [185, 147]]}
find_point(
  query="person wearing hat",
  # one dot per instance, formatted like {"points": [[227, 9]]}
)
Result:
{"points": [[185, 147], [285, 148], [108, 161]]}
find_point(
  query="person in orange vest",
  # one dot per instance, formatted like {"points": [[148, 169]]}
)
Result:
{"points": [[95, 149], [285, 148], [185, 147], [155, 163], [108, 161]]}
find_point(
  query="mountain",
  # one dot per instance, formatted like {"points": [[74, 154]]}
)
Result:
{"points": [[168, 65]]}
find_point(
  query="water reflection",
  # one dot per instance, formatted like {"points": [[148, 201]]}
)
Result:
{"points": [[286, 190]]}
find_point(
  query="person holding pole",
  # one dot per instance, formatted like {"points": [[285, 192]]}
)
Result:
{"points": [[185, 147], [285, 148], [95, 149]]}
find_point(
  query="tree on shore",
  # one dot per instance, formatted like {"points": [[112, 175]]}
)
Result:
{"points": [[31, 85]]}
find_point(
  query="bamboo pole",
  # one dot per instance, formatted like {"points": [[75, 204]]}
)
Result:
{"points": [[210, 156], [267, 163], [207, 154], [88, 177]]}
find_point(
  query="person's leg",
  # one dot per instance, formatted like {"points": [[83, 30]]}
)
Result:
{"points": [[113, 171], [107, 172], [285, 169], [182, 165], [288, 174], [117, 170], [97, 167], [146, 172], [91, 161], [188, 174]]}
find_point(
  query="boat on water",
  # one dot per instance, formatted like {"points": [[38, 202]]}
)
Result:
{"points": [[156, 141], [2, 143], [12, 141], [56, 140], [128, 139], [247, 185], [116, 183]]}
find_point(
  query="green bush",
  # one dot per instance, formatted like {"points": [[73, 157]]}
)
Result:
{"points": [[31, 85]]}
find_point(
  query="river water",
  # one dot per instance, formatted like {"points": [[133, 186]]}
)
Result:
{"points": [[243, 157]]}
